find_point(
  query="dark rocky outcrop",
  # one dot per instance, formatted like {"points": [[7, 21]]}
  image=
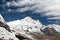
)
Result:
{"points": [[51, 33], [5, 26]]}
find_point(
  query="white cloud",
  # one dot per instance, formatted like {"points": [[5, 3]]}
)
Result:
{"points": [[22, 9], [54, 18], [48, 7]]}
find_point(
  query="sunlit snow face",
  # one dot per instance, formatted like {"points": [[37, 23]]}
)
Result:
{"points": [[49, 8]]}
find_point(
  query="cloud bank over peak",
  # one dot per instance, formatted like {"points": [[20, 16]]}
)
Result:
{"points": [[44, 7]]}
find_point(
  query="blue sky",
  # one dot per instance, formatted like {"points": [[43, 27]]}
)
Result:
{"points": [[42, 10]]}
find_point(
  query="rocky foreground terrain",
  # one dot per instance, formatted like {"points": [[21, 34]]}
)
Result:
{"points": [[28, 29]]}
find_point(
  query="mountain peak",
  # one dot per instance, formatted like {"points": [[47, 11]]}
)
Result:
{"points": [[28, 18]]}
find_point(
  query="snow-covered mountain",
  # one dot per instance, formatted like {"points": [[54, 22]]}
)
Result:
{"points": [[28, 25], [25, 24], [54, 26], [31, 25], [52, 30], [25, 27], [28, 28]]}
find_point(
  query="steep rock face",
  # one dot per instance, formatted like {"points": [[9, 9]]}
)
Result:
{"points": [[3, 24]]}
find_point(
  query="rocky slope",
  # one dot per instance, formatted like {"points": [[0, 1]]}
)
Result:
{"points": [[5, 32], [28, 29]]}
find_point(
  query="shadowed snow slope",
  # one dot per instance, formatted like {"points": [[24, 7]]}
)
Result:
{"points": [[54, 26]]}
